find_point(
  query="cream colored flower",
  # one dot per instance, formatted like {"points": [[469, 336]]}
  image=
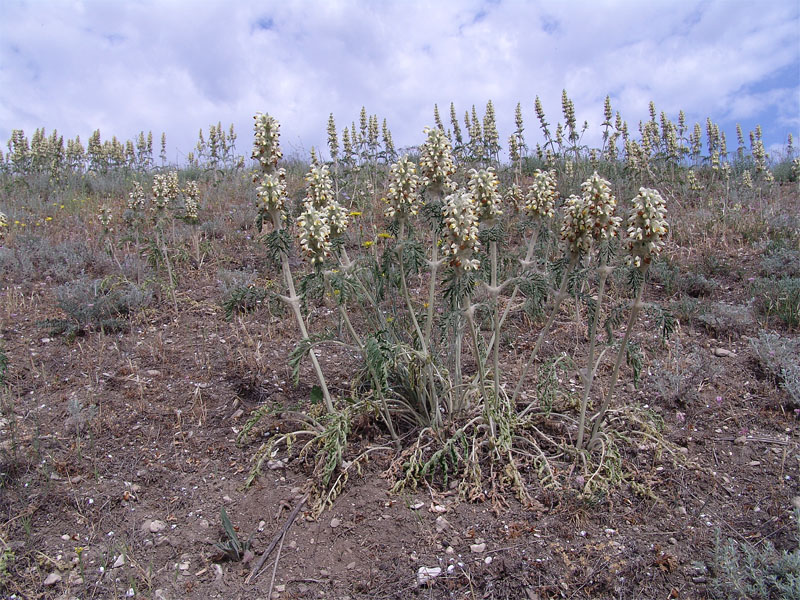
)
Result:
{"points": [[403, 195], [602, 206], [191, 193], [461, 233], [647, 227], [266, 144], [136, 197], [576, 230], [436, 161], [271, 191], [314, 234], [483, 187], [540, 200]]}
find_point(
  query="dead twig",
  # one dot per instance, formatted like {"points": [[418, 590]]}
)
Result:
{"points": [[278, 538]]}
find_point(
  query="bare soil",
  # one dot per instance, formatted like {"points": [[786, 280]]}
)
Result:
{"points": [[124, 445]]}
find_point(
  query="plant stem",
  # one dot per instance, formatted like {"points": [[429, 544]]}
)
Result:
{"points": [[528, 256], [588, 377], [560, 295], [598, 421], [496, 299], [406, 296]]}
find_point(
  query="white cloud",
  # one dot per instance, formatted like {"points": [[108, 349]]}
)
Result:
{"points": [[178, 66]]}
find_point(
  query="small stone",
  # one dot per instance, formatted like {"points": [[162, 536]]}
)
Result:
{"points": [[487, 560], [160, 595], [441, 524], [477, 548], [205, 524], [438, 508], [351, 565], [274, 465], [335, 522], [722, 352], [681, 510], [52, 579], [740, 440], [417, 505], [673, 541], [630, 388], [156, 526], [119, 562], [184, 566], [450, 550], [227, 498], [65, 537], [237, 414], [153, 372], [425, 575], [323, 572], [609, 531], [262, 525], [280, 588]]}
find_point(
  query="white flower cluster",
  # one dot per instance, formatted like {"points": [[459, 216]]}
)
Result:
{"points": [[266, 143], [105, 216], [483, 187], [314, 234], [323, 217], [136, 197], [270, 191], [647, 227], [514, 196], [436, 161], [165, 189], [403, 195], [602, 205], [191, 204], [576, 230], [540, 200], [461, 235]]}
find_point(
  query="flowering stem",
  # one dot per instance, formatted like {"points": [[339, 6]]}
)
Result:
{"points": [[528, 256], [294, 302], [496, 298], [598, 420], [560, 295], [588, 377]]}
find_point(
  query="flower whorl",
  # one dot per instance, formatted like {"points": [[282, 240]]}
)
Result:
{"points": [[647, 227]]}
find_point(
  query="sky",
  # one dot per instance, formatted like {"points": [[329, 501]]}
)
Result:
{"points": [[124, 66]]}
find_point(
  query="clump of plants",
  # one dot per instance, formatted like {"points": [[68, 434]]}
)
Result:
{"points": [[743, 571], [439, 292], [778, 356], [97, 304]]}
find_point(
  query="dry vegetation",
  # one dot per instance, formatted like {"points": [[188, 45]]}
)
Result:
{"points": [[473, 378]]}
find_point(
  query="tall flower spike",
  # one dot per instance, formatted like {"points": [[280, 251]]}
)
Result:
{"points": [[436, 162], [271, 192], [191, 204], [136, 197], [403, 195], [483, 186], [266, 145], [319, 189], [461, 234], [576, 230], [647, 227], [314, 234], [3, 225], [540, 200], [602, 205]]}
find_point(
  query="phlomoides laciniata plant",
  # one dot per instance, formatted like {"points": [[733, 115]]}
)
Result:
{"points": [[439, 294]]}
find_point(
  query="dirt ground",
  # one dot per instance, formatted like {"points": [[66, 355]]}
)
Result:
{"points": [[119, 450]]}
